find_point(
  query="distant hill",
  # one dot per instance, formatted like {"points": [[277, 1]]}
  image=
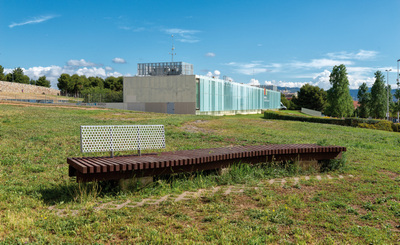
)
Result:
{"points": [[292, 90]]}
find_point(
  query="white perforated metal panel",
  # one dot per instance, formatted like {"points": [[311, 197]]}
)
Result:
{"points": [[122, 138]]}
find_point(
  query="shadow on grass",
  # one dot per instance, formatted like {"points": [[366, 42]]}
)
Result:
{"points": [[78, 192]]}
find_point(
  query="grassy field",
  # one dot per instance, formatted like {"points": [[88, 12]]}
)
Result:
{"points": [[36, 140]]}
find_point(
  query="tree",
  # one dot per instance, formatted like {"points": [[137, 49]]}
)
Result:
{"points": [[397, 96], [63, 82], [95, 82], [114, 83], [340, 103], [378, 96], [288, 103], [364, 99], [42, 81], [18, 76], [311, 97], [2, 76]]}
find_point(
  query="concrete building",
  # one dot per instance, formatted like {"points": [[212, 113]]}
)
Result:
{"points": [[171, 87]]}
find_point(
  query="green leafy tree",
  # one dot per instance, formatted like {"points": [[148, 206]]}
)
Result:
{"points": [[114, 83], [311, 97], [288, 103], [2, 76], [18, 76], [63, 82], [96, 82], [378, 96], [340, 103], [397, 96], [42, 81], [364, 99]]}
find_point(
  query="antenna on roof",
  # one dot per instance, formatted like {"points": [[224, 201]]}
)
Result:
{"points": [[173, 48]]}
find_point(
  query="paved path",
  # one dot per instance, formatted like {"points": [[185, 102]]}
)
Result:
{"points": [[187, 195]]}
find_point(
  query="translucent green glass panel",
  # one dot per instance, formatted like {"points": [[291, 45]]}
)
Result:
{"points": [[220, 95]]}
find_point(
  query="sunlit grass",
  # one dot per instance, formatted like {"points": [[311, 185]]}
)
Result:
{"points": [[35, 142]]}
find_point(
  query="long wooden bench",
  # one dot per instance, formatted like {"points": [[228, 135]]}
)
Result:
{"points": [[140, 137]]}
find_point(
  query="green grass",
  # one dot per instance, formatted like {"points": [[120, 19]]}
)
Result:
{"points": [[294, 112], [35, 142]]}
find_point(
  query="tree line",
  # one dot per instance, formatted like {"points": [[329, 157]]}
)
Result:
{"points": [[18, 76], [92, 89], [337, 101]]}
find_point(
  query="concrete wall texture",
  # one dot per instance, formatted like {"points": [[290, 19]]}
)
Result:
{"points": [[26, 88], [164, 94]]}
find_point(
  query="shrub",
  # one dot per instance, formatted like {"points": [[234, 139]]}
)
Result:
{"points": [[381, 125], [276, 115], [396, 127]]}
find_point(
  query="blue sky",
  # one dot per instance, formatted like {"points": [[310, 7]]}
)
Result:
{"points": [[285, 43]]}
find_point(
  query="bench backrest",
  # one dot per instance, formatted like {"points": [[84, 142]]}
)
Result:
{"points": [[122, 138]]}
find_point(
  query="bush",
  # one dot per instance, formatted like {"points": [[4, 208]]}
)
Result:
{"points": [[276, 115], [381, 125], [352, 122], [396, 127]]}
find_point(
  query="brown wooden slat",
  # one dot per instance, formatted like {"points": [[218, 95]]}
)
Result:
{"points": [[198, 157]]}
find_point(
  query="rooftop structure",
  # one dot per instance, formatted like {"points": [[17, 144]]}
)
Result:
{"points": [[164, 69]]}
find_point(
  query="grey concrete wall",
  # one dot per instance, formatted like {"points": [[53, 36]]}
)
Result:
{"points": [[185, 107], [122, 106], [160, 89], [153, 93]]}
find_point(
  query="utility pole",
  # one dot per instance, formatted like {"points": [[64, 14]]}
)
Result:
{"points": [[172, 49], [398, 85]]}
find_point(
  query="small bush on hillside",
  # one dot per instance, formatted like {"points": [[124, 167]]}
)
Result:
{"points": [[382, 125], [275, 115]]}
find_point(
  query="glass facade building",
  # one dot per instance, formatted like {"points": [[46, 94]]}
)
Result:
{"points": [[216, 95]]}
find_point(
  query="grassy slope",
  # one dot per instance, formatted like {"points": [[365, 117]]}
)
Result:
{"points": [[35, 142]]}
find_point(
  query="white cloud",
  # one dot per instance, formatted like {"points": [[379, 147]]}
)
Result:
{"points": [[319, 63], [361, 55], [109, 68], [210, 54], [119, 60], [185, 36], [254, 82], [214, 74], [321, 80], [285, 84], [254, 67], [35, 20], [91, 72], [80, 62], [116, 74]]}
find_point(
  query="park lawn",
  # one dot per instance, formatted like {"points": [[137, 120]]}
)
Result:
{"points": [[36, 140]]}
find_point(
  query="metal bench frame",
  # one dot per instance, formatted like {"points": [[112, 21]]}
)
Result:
{"points": [[122, 138]]}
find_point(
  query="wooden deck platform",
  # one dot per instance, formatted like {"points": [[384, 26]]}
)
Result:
{"points": [[123, 167]]}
